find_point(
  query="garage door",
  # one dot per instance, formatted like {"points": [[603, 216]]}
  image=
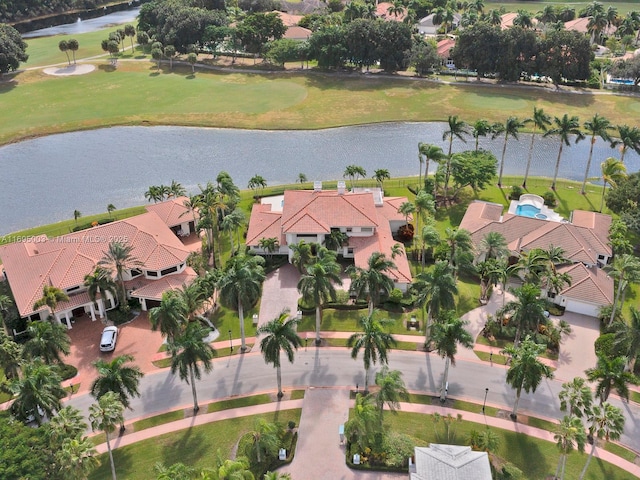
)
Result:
{"points": [[581, 307]]}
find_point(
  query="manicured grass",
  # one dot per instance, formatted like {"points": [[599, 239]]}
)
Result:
{"points": [[271, 101], [195, 446], [238, 402], [501, 343], [496, 358], [221, 352], [297, 394], [226, 319], [536, 458], [158, 420], [535, 7]]}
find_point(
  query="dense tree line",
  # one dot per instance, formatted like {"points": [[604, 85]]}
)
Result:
{"points": [[12, 49], [16, 10], [559, 54]]}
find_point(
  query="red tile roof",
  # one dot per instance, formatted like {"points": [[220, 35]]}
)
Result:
{"points": [[172, 212], [591, 285], [297, 33], [444, 47], [382, 11], [264, 224], [153, 289]]}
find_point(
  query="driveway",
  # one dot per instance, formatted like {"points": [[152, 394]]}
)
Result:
{"points": [[577, 352], [279, 291]]}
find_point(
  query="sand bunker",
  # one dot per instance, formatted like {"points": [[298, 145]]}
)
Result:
{"points": [[77, 69]]}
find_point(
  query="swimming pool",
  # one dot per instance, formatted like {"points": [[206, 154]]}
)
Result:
{"points": [[527, 211]]}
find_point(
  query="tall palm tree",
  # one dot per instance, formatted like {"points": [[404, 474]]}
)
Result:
{"points": [[232, 223], [372, 281], [279, 334], [263, 442], [569, 434], [625, 269], [238, 469], [37, 392], [457, 129], [317, 285], [527, 310], [429, 239], [406, 209], [525, 371], [596, 25], [493, 246], [447, 332], [10, 356], [336, 240], [435, 290], [430, 153], [460, 247], [610, 374], [363, 425], [116, 376], [302, 255], [177, 471], [509, 128], [380, 175], [425, 206], [629, 139], [489, 272], [575, 397], [67, 423], [47, 341], [607, 422], [119, 257], [628, 337], [391, 390], [540, 121], [564, 128], [104, 415], [190, 354], [596, 127], [51, 296], [523, 19], [240, 286], [374, 343], [613, 171], [481, 128], [170, 316], [77, 457], [100, 282]]}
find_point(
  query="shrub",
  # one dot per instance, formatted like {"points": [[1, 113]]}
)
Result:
{"points": [[515, 193], [405, 233], [398, 447], [606, 346], [549, 199], [66, 371], [291, 424], [395, 296]]}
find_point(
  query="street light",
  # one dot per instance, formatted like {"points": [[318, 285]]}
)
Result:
{"points": [[306, 339], [486, 391], [230, 342]]}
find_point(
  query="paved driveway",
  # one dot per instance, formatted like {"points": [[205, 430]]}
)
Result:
{"points": [[279, 291]]}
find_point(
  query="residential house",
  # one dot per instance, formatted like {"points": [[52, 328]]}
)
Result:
{"points": [[64, 262], [364, 215], [297, 33], [449, 462], [581, 25], [506, 20], [425, 26], [583, 239], [444, 48], [382, 11]]}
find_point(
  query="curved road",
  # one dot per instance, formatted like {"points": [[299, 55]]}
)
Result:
{"points": [[247, 374]]}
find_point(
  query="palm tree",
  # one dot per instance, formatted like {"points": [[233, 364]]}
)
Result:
{"points": [[237, 469], [100, 282], [257, 182], [115, 376], [624, 270], [564, 128], [119, 257], [37, 392], [51, 296], [317, 285], [430, 153], [63, 45], [302, 255], [104, 415], [457, 129], [380, 175], [353, 173], [575, 397], [233, 222], [527, 310], [47, 341], [596, 25], [540, 122], [596, 127], [279, 334], [607, 422], [76, 215], [447, 332], [429, 239], [391, 390], [67, 423], [460, 247], [628, 337], [177, 471], [629, 139], [189, 353], [170, 316], [77, 458], [406, 209], [363, 424], [547, 15], [524, 19], [493, 246], [372, 281], [263, 442], [489, 272], [10, 356], [435, 290], [510, 128], [277, 476], [302, 178], [525, 371], [193, 296], [240, 286], [374, 342], [336, 240], [610, 374], [424, 206], [613, 171], [569, 434], [481, 128]]}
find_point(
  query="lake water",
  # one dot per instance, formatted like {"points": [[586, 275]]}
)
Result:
{"points": [[86, 26], [45, 179]]}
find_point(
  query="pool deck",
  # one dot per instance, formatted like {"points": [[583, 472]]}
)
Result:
{"points": [[544, 212]]}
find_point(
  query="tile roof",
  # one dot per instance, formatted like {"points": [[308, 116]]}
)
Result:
{"points": [[581, 25], [382, 11], [153, 289], [64, 261], [172, 212], [264, 224], [297, 33], [506, 20], [450, 462], [444, 47], [288, 19], [588, 284]]}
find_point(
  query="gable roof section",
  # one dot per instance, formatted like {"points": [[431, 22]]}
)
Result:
{"points": [[591, 285], [264, 223], [172, 212], [389, 209], [450, 462], [480, 214], [64, 261], [444, 47], [153, 289], [296, 32], [382, 11]]}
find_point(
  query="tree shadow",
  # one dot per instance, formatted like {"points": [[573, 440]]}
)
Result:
{"points": [[122, 458], [190, 77], [7, 86], [107, 68], [186, 446]]}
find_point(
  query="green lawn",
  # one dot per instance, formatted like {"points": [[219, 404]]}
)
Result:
{"points": [[195, 446], [536, 6], [136, 94]]}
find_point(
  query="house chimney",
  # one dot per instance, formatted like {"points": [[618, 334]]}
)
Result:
{"points": [[341, 187], [317, 186]]}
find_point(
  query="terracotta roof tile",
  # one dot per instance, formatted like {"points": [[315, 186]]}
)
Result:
{"points": [[153, 289], [590, 285], [264, 224], [172, 212]]}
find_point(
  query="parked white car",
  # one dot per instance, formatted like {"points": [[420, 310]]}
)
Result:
{"points": [[108, 339]]}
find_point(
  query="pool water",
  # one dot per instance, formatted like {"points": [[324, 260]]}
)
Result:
{"points": [[527, 211]]}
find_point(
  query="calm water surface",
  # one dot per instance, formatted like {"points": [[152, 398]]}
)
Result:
{"points": [[86, 26], [44, 180]]}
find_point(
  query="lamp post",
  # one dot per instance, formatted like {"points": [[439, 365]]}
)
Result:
{"points": [[230, 342], [486, 391], [306, 339]]}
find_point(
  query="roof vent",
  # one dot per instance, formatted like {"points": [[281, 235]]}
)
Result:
{"points": [[317, 186], [341, 188]]}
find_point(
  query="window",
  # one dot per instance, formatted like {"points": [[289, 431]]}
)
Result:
{"points": [[349, 229], [366, 229], [135, 273], [72, 289], [349, 251], [152, 273], [167, 271]]}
